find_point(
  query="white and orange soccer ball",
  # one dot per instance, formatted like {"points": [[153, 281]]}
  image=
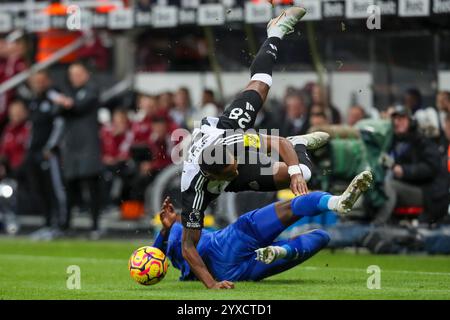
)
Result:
{"points": [[148, 265]]}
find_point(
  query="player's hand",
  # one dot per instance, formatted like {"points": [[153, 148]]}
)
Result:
{"points": [[222, 285], [168, 216], [298, 185]]}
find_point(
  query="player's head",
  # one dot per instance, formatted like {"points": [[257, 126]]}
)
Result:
{"points": [[218, 163]]}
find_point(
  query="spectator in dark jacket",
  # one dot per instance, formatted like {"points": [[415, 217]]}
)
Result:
{"points": [[43, 165], [320, 96], [81, 151], [296, 118], [413, 165]]}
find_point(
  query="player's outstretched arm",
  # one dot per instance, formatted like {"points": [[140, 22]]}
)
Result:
{"points": [[189, 242], [287, 152], [168, 217]]}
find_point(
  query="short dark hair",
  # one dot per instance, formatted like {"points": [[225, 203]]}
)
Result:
{"points": [[215, 158], [81, 63], [209, 91]]}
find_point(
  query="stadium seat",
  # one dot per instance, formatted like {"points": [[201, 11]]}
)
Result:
{"points": [[412, 212]]}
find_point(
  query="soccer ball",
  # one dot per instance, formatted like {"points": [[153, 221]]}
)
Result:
{"points": [[148, 265]]}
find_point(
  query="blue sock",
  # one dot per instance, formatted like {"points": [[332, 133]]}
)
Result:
{"points": [[291, 252], [306, 245], [310, 204], [323, 202]]}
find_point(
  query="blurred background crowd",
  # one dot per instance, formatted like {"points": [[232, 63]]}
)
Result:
{"points": [[68, 149]]}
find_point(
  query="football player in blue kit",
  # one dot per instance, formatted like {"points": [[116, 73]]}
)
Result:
{"points": [[246, 250]]}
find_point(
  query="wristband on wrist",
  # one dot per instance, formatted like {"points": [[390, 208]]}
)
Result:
{"points": [[295, 169]]}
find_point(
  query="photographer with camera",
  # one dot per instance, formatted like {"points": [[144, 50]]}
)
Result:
{"points": [[413, 176]]}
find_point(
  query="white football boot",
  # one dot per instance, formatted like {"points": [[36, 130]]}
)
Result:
{"points": [[312, 141], [270, 254], [347, 199], [285, 23]]}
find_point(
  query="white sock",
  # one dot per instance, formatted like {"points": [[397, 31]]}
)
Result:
{"points": [[333, 202], [275, 31], [263, 77]]}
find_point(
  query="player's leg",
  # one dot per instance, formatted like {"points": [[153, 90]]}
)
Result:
{"points": [[261, 68], [295, 252], [243, 110], [268, 222], [258, 229], [312, 204], [265, 224]]}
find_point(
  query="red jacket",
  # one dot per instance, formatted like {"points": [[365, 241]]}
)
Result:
{"points": [[115, 146], [161, 150], [8, 68], [14, 142], [143, 129]]}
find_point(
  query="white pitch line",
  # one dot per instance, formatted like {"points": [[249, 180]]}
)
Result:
{"points": [[382, 270]]}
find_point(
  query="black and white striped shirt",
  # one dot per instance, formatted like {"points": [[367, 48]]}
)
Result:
{"points": [[197, 191]]}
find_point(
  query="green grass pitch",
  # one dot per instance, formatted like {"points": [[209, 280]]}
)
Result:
{"points": [[36, 270]]}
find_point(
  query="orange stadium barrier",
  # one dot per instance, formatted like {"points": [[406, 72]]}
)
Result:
{"points": [[132, 210], [52, 40]]}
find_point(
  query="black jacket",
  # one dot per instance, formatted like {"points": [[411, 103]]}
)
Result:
{"points": [[423, 165], [47, 125], [289, 127], [81, 143]]}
